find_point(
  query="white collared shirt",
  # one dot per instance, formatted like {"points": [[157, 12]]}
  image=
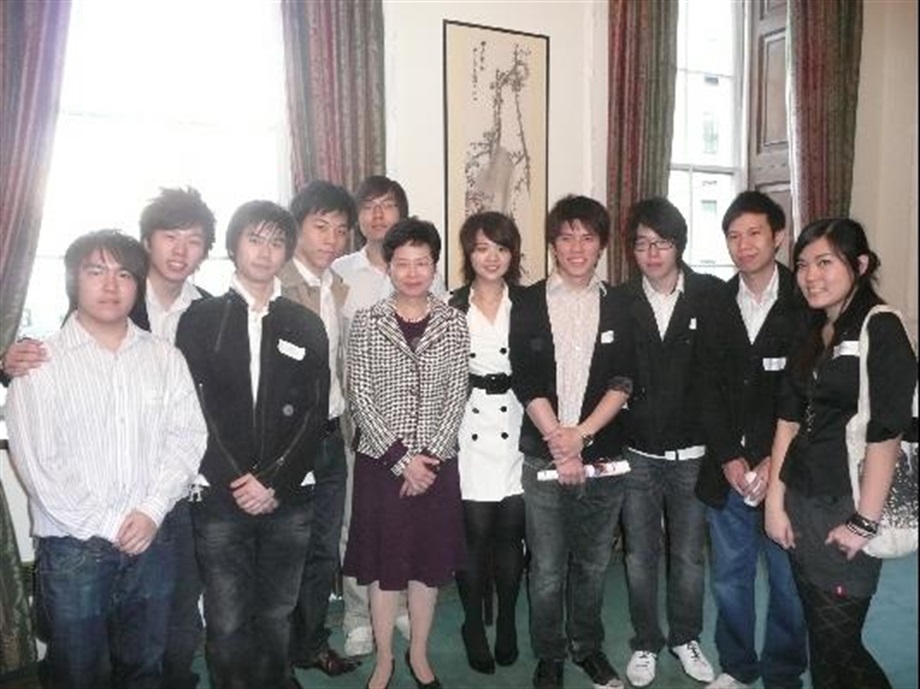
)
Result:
{"points": [[254, 323], [753, 311], [165, 321], [574, 314], [329, 315], [663, 304], [96, 434]]}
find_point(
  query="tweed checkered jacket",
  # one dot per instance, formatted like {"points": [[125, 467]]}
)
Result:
{"points": [[407, 402]]}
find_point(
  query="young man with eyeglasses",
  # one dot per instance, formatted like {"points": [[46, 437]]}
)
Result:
{"points": [[381, 203], [671, 314], [763, 321]]}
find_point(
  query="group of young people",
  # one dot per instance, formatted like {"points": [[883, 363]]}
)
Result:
{"points": [[341, 408]]}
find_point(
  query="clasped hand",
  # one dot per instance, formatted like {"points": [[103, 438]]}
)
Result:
{"points": [[252, 497], [419, 475], [565, 444]]}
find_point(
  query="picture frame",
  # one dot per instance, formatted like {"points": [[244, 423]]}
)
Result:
{"points": [[496, 137]]}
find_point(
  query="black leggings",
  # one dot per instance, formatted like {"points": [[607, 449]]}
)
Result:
{"points": [[838, 658], [495, 541]]}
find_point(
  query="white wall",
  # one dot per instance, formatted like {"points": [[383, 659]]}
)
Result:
{"points": [[885, 170], [577, 86]]}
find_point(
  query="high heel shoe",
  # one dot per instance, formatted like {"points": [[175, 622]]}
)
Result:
{"points": [[392, 672], [433, 684], [506, 648], [478, 654]]}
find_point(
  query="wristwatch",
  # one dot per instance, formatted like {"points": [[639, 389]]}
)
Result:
{"points": [[587, 439]]}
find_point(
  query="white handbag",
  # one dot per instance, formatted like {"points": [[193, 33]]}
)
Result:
{"points": [[897, 532]]}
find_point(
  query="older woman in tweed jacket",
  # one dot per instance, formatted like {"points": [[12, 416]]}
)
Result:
{"points": [[407, 388]]}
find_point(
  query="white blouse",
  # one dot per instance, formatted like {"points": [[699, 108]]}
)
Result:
{"points": [[490, 461]]}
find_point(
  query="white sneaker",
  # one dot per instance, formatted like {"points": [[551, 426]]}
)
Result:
{"points": [[726, 681], [641, 669], [359, 642], [402, 624], [694, 662]]}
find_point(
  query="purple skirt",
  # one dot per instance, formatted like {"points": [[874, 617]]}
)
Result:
{"points": [[393, 540]]}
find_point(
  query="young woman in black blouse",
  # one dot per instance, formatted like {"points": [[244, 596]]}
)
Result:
{"points": [[809, 505]]}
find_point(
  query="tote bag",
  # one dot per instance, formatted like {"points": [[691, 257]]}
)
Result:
{"points": [[897, 532]]}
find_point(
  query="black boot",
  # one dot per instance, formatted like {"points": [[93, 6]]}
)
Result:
{"points": [[506, 648]]}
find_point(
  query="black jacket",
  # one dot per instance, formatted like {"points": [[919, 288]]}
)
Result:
{"points": [[675, 376], [460, 297], [533, 366], [749, 381], [276, 438]]}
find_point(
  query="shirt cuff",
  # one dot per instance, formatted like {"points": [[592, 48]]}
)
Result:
{"points": [[396, 457]]}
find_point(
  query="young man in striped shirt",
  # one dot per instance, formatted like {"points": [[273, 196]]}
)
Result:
{"points": [[106, 437]]}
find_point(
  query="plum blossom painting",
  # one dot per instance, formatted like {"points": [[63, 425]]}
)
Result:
{"points": [[496, 91]]}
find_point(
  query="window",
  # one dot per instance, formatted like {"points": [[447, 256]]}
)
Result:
{"points": [[160, 94], [706, 154]]}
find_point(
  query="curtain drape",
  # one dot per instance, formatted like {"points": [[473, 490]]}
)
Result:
{"points": [[642, 70], [823, 47], [334, 73], [33, 35]]}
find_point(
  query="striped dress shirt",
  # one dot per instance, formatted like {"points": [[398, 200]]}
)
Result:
{"points": [[95, 434]]}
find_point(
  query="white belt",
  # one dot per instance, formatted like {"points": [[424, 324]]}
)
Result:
{"points": [[693, 452]]}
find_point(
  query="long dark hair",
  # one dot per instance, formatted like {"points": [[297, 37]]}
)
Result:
{"points": [[501, 230], [847, 239]]}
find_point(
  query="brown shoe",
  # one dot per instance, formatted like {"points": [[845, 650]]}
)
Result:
{"points": [[330, 663]]}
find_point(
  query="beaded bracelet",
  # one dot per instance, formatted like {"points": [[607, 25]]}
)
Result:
{"points": [[862, 526]]}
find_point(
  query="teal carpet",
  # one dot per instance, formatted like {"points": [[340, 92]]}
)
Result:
{"points": [[891, 635]]}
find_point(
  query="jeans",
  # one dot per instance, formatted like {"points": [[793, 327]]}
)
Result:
{"points": [[185, 626], [570, 531], [656, 489], [105, 612], [737, 538], [309, 635], [251, 568]]}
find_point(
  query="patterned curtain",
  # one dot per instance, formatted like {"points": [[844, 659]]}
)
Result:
{"points": [[334, 69], [643, 68], [33, 34], [17, 646], [823, 54]]}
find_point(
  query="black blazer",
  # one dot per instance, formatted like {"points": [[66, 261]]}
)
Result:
{"points": [[675, 378], [460, 297], [533, 366], [749, 382], [276, 438]]}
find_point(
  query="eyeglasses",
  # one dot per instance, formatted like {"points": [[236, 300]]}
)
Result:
{"points": [[642, 244], [386, 205]]}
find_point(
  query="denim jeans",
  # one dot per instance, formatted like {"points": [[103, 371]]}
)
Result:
{"points": [[105, 612], [251, 568], [570, 531], [656, 489], [309, 634], [185, 626], [737, 537]]}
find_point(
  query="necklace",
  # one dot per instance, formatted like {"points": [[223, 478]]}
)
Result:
{"points": [[415, 319]]}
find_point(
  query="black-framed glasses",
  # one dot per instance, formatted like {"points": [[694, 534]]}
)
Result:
{"points": [[642, 244]]}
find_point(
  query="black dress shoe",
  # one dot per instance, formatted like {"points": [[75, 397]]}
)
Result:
{"points": [[330, 663], [477, 650], [433, 684]]}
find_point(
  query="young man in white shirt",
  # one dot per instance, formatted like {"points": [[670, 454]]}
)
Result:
{"points": [[671, 312], [177, 230], [760, 325], [325, 214], [381, 203], [102, 468], [260, 363]]}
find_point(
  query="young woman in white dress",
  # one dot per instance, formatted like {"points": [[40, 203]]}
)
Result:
{"points": [[490, 462]]}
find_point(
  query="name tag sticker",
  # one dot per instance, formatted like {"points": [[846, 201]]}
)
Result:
{"points": [[847, 348], [291, 350], [774, 363], [607, 337], [693, 324]]}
